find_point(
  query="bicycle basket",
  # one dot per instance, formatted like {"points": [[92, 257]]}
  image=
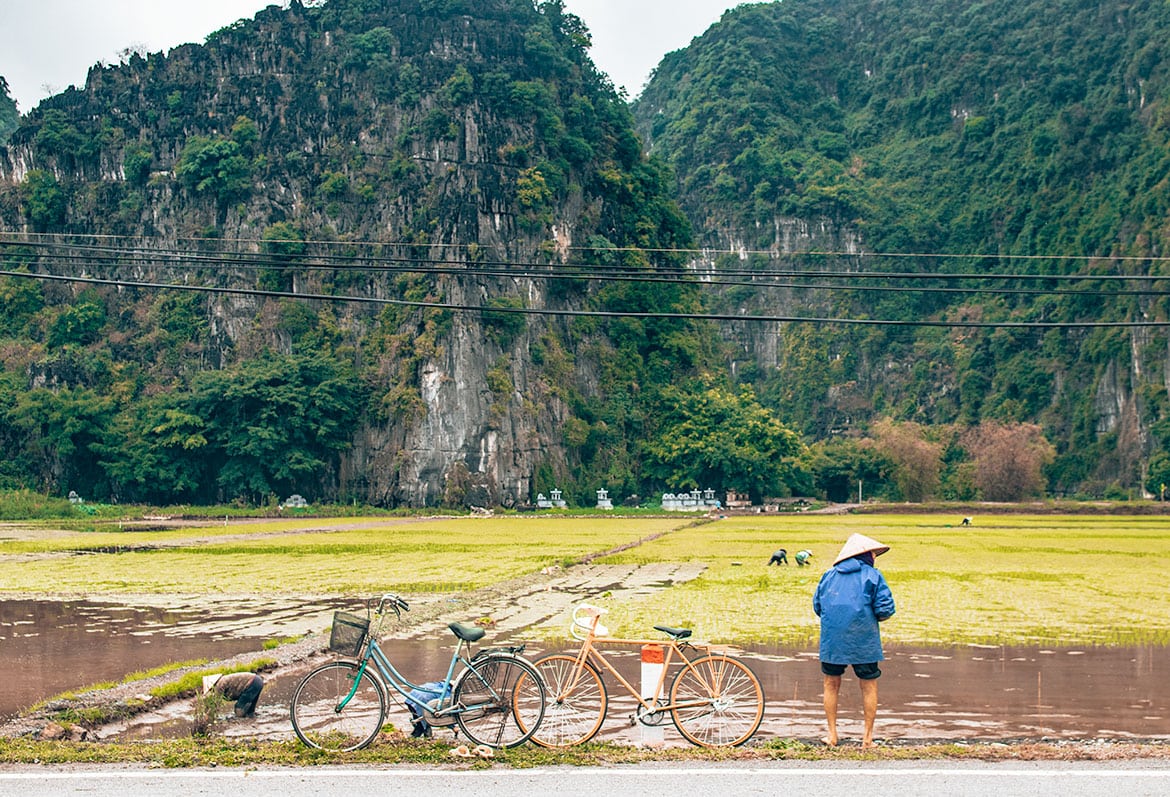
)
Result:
{"points": [[348, 634]]}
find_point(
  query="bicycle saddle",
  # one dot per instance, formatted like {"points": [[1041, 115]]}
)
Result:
{"points": [[468, 633], [677, 633]]}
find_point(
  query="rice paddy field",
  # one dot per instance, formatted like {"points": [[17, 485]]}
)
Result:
{"points": [[1007, 579], [303, 557]]}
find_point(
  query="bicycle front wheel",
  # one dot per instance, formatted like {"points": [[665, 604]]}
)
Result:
{"points": [[321, 721], [576, 701], [500, 698], [717, 702]]}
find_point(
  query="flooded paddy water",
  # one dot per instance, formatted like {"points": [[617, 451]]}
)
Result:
{"points": [[927, 694], [52, 646]]}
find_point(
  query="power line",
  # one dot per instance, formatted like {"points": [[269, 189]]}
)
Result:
{"points": [[582, 271], [1045, 325], [760, 280], [699, 251]]}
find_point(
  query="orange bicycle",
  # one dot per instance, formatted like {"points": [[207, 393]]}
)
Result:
{"points": [[714, 699]]}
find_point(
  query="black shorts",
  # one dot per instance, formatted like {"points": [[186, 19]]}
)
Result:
{"points": [[865, 672]]}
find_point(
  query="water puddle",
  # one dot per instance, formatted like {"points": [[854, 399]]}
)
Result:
{"points": [[48, 647], [980, 693], [927, 694]]}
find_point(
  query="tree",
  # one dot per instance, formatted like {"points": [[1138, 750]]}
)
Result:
{"points": [[79, 323], [215, 166], [137, 160], [1009, 459], [499, 324], [21, 299], [839, 467], [714, 438], [275, 424], [286, 243], [917, 460], [158, 452], [44, 201], [1158, 475], [9, 116], [60, 435]]}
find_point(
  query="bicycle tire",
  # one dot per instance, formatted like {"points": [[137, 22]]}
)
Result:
{"points": [[729, 697], [573, 716], [502, 700], [315, 716]]}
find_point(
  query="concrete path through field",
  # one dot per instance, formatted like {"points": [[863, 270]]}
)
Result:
{"points": [[535, 603]]}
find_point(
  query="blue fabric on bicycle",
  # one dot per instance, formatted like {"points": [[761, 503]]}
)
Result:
{"points": [[420, 696], [424, 693]]}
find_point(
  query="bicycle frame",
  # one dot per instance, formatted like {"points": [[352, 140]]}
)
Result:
{"points": [[674, 653], [713, 699], [390, 676], [496, 696]]}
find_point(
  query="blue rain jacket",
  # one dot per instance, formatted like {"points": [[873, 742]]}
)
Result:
{"points": [[851, 598]]}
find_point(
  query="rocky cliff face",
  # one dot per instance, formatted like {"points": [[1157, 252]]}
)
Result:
{"points": [[939, 131], [467, 136]]}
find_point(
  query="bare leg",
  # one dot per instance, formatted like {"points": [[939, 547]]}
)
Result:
{"points": [[869, 703], [832, 690]]}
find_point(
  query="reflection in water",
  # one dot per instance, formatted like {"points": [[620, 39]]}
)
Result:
{"points": [[49, 646], [961, 693], [987, 693]]}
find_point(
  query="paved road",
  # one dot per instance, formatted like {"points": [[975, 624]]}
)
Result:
{"points": [[907, 779]]}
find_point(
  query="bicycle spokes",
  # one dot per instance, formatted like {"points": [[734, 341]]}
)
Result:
{"points": [[501, 700], [717, 702]]}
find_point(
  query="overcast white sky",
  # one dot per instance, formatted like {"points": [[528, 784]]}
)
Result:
{"points": [[48, 45]]}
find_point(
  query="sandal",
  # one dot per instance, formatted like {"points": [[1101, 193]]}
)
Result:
{"points": [[462, 752], [483, 751]]}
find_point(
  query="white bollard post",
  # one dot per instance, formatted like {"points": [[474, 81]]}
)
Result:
{"points": [[653, 665]]}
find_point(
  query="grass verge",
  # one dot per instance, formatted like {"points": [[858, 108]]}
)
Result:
{"points": [[182, 753]]}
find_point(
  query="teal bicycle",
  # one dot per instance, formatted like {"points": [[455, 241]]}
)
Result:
{"points": [[495, 696]]}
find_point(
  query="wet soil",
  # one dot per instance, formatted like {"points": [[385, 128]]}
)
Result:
{"points": [[927, 694]]}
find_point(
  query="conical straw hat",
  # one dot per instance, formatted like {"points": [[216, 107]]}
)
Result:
{"points": [[859, 543]]}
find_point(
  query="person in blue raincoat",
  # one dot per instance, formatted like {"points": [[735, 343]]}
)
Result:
{"points": [[851, 599]]}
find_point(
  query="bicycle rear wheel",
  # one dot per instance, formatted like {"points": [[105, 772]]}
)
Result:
{"points": [[503, 700], [576, 701], [718, 702], [320, 721]]}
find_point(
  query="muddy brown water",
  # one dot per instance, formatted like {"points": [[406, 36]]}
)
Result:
{"points": [[960, 693], [52, 646]]}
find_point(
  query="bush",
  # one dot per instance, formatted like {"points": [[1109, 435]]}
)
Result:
{"points": [[27, 505]]}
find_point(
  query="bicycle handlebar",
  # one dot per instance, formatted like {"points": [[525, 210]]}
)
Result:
{"points": [[395, 602], [587, 621]]}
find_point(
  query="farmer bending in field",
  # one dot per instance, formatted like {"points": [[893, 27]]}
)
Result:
{"points": [[802, 557], [242, 687], [851, 599], [779, 558]]}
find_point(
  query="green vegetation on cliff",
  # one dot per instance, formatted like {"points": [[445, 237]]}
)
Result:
{"points": [[410, 151], [461, 180], [989, 138], [9, 116]]}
